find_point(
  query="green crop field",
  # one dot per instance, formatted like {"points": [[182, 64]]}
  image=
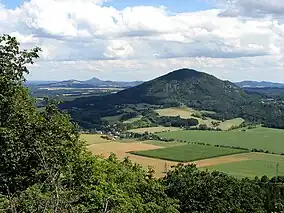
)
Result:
{"points": [[187, 153], [259, 138], [257, 164]]}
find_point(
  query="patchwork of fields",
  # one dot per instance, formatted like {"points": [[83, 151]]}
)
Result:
{"points": [[122, 149], [162, 155], [259, 138]]}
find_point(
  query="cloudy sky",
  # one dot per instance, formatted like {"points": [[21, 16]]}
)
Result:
{"points": [[142, 39]]}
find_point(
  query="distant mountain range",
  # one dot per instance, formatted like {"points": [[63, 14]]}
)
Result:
{"points": [[91, 83], [95, 82], [259, 84]]}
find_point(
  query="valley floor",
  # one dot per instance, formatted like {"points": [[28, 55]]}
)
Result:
{"points": [[239, 165]]}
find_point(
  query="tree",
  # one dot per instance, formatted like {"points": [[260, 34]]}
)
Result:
{"points": [[36, 147], [203, 191], [45, 167]]}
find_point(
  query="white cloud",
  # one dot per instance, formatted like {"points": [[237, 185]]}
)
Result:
{"points": [[81, 36], [256, 68], [119, 49], [253, 8]]}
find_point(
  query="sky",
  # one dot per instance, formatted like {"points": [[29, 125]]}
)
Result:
{"points": [[142, 39]]}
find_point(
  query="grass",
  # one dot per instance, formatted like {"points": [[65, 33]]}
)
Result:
{"points": [[93, 139], [260, 138], [186, 112], [131, 120], [154, 129], [183, 112], [258, 164], [187, 153], [229, 123]]}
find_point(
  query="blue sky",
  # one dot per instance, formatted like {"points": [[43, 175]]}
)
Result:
{"points": [[175, 6], [11, 4], [234, 40]]}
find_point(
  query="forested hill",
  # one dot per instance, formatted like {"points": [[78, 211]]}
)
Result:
{"points": [[185, 87], [189, 87]]}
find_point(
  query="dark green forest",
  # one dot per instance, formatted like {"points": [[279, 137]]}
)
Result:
{"points": [[45, 167]]}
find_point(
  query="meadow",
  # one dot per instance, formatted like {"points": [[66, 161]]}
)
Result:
{"points": [[225, 125], [187, 152], [186, 112], [256, 164], [131, 120], [258, 138], [183, 112]]}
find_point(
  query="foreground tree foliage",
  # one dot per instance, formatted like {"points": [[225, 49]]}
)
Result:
{"points": [[44, 166], [203, 191]]}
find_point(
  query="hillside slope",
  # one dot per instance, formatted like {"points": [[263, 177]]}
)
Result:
{"points": [[183, 87], [189, 87]]}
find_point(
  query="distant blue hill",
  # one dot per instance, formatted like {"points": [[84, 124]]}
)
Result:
{"points": [[91, 83], [259, 84]]}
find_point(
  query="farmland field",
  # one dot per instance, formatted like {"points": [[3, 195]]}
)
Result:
{"points": [[229, 123], [239, 165], [256, 164], [186, 112], [122, 150], [259, 138], [187, 153], [164, 144], [93, 139], [183, 112], [154, 129]]}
